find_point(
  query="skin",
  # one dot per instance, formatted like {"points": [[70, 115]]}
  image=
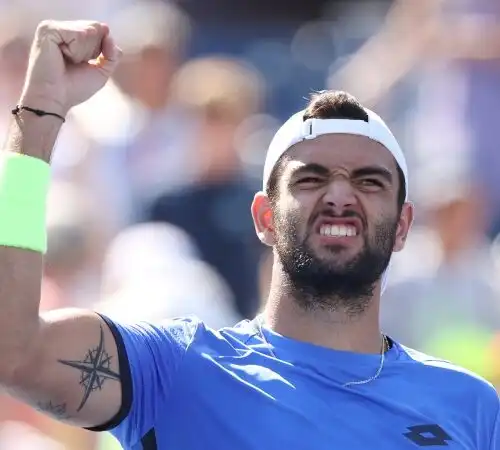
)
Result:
{"points": [[356, 176]]}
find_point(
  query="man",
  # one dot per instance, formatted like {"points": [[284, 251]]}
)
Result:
{"points": [[313, 372], [135, 138]]}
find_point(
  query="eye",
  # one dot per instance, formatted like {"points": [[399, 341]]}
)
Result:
{"points": [[371, 183], [309, 180]]}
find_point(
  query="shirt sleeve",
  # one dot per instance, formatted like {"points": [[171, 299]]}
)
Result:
{"points": [[149, 359], [495, 438]]}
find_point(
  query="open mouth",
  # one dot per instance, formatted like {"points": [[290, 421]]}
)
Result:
{"points": [[339, 228]]}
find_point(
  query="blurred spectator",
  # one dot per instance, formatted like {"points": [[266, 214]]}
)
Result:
{"points": [[153, 36], [152, 272], [494, 351], [139, 136], [444, 289], [75, 234], [215, 209]]}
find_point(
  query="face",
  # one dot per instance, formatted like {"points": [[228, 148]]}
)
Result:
{"points": [[336, 220]]}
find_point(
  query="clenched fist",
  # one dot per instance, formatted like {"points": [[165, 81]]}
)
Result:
{"points": [[69, 62]]}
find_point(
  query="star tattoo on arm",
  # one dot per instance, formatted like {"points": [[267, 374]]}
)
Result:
{"points": [[94, 369]]}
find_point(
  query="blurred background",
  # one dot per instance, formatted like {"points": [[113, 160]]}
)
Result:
{"points": [[153, 177]]}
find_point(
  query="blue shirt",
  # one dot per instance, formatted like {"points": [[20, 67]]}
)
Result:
{"points": [[188, 387]]}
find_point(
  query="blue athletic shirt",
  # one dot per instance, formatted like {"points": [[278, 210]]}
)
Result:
{"points": [[188, 387]]}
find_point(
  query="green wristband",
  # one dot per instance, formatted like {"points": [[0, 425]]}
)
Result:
{"points": [[24, 183]]}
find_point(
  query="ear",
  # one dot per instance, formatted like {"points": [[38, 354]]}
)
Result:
{"points": [[404, 225], [263, 218]]}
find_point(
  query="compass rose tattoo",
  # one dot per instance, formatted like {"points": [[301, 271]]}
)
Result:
{"points": [[94, 369]]}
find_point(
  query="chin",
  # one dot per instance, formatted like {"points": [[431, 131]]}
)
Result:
{"points": [[337, 253], [337, 264], [340, 267]]}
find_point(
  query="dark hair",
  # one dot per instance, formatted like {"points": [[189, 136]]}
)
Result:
{"points": [[330, 105]]}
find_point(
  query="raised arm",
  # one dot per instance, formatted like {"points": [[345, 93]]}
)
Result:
{"points": [[414, 32], [64, 363]]}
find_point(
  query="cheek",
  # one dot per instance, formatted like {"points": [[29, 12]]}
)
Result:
{"points": [[382, 218], [294, 209], [288, 220]]}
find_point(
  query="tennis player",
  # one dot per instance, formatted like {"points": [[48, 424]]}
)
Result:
{"points": [[313, 372]]}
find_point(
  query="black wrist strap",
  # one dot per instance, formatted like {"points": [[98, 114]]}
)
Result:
{"points": [[38, 112]]}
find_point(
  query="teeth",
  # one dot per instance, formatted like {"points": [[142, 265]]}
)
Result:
{"points": [[337, 230]]}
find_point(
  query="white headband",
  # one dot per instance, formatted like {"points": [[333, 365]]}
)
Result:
{"points": [[296, 130]]}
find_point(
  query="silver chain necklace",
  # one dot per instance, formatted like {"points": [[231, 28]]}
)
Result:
{"points": [[385, 347]]}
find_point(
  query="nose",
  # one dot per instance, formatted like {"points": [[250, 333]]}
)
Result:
{"points": [[339, 195]]}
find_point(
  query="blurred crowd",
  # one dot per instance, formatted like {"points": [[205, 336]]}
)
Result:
{"points": [[148, 214]]}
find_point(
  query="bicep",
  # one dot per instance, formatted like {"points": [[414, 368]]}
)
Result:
{"points": [[72, 370]]}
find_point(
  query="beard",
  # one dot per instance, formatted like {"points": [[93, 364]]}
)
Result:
{"points": [[329, 284]]}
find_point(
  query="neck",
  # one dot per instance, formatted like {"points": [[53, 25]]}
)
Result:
{"points": [[332, 329]]}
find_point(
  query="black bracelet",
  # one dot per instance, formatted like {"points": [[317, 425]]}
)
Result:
{"points": [[38, 112]]}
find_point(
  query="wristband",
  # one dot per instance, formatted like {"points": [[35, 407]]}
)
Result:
{"points": [[24, 183]]}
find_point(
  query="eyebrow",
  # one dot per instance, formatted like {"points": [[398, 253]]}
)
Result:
{"points": [[314, 168], [323, 171]]}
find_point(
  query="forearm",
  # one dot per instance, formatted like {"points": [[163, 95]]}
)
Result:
{"points": [[388, 56], [468, 39], [21, 270]]}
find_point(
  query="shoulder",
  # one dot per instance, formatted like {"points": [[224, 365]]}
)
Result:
{"points": [[184, 330], [450, 378], [188, 331], [223, 341]]}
